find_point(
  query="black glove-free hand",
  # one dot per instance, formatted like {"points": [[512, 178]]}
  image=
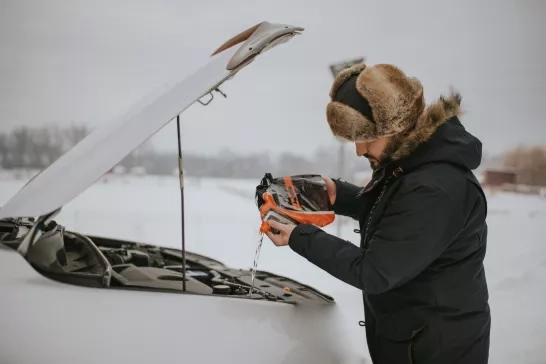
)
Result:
{"points": [[285, 230]]}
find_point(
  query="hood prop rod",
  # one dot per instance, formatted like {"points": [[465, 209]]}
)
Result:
{"points": [[181, 176]]}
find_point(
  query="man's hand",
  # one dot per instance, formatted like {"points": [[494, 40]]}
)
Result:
{"points": [[331, 188], [280, 239]]}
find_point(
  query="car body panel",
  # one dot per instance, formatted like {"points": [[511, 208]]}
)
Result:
{"points": [[44, 321]]}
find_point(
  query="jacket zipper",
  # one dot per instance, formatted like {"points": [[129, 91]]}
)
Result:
{"points": [[395, 173]]}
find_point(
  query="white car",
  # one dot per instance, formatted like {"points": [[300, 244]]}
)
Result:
{"points": [[71, 298]]}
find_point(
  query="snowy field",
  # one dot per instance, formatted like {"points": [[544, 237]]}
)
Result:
{"points": [[222, 222]]}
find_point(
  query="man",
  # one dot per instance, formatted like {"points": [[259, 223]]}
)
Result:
{"points": [[422, 221]]}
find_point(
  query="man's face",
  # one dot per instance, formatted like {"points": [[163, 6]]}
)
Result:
{"points": [[373, 150]]}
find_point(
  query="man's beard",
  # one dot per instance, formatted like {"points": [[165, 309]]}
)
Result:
{"points": [[374, 163], [386, 157]]}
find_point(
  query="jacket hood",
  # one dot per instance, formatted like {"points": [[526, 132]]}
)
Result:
{"points": [[439, 136]]}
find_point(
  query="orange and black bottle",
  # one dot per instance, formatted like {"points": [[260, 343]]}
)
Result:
{"points": [[298, 199]]}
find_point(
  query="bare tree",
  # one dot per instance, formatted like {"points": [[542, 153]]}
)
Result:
{"points": [[529, 164], [3, 149]]}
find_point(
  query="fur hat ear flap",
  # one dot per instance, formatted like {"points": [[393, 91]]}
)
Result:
{"points": [[348, 124]]}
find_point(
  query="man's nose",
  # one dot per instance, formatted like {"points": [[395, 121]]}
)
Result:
{"points": [[361, 149]]}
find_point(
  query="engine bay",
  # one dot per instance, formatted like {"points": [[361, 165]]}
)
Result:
{"points": [[97, 261]]}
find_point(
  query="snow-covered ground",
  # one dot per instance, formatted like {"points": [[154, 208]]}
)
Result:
{"points": [[222, 221]]}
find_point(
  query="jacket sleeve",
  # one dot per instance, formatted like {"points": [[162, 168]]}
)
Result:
{"points": [[346, 201], [412, 233]]}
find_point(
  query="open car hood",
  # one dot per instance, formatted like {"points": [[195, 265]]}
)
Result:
{"points": [[100, 151]]}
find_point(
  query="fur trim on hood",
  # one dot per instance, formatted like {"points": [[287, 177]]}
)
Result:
{"points": [[431, 119]]}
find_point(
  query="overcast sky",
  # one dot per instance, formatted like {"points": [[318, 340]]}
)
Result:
{"points": [[89, 61]]}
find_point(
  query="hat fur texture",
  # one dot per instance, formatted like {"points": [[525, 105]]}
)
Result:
{"points": [[397, 105]]}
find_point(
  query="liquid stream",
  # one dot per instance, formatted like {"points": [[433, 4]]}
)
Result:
{"points": [[255, 266]]}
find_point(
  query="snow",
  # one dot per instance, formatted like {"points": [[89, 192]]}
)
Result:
{"points": [[222, 221]]}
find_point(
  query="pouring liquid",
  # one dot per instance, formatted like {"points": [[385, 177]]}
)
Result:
{"points": [[256, 257]]}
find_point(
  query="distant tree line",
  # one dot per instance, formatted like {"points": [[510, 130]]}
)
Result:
{"points": [[37, 147]]}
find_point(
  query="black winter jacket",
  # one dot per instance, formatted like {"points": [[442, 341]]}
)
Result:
{"points": [[423, 242]]}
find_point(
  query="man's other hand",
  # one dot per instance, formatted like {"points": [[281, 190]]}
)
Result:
{"points": [[331, 188], [280, 239]]}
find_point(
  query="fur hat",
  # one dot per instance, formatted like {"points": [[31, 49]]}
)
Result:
{"points": [[371, 102]]}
